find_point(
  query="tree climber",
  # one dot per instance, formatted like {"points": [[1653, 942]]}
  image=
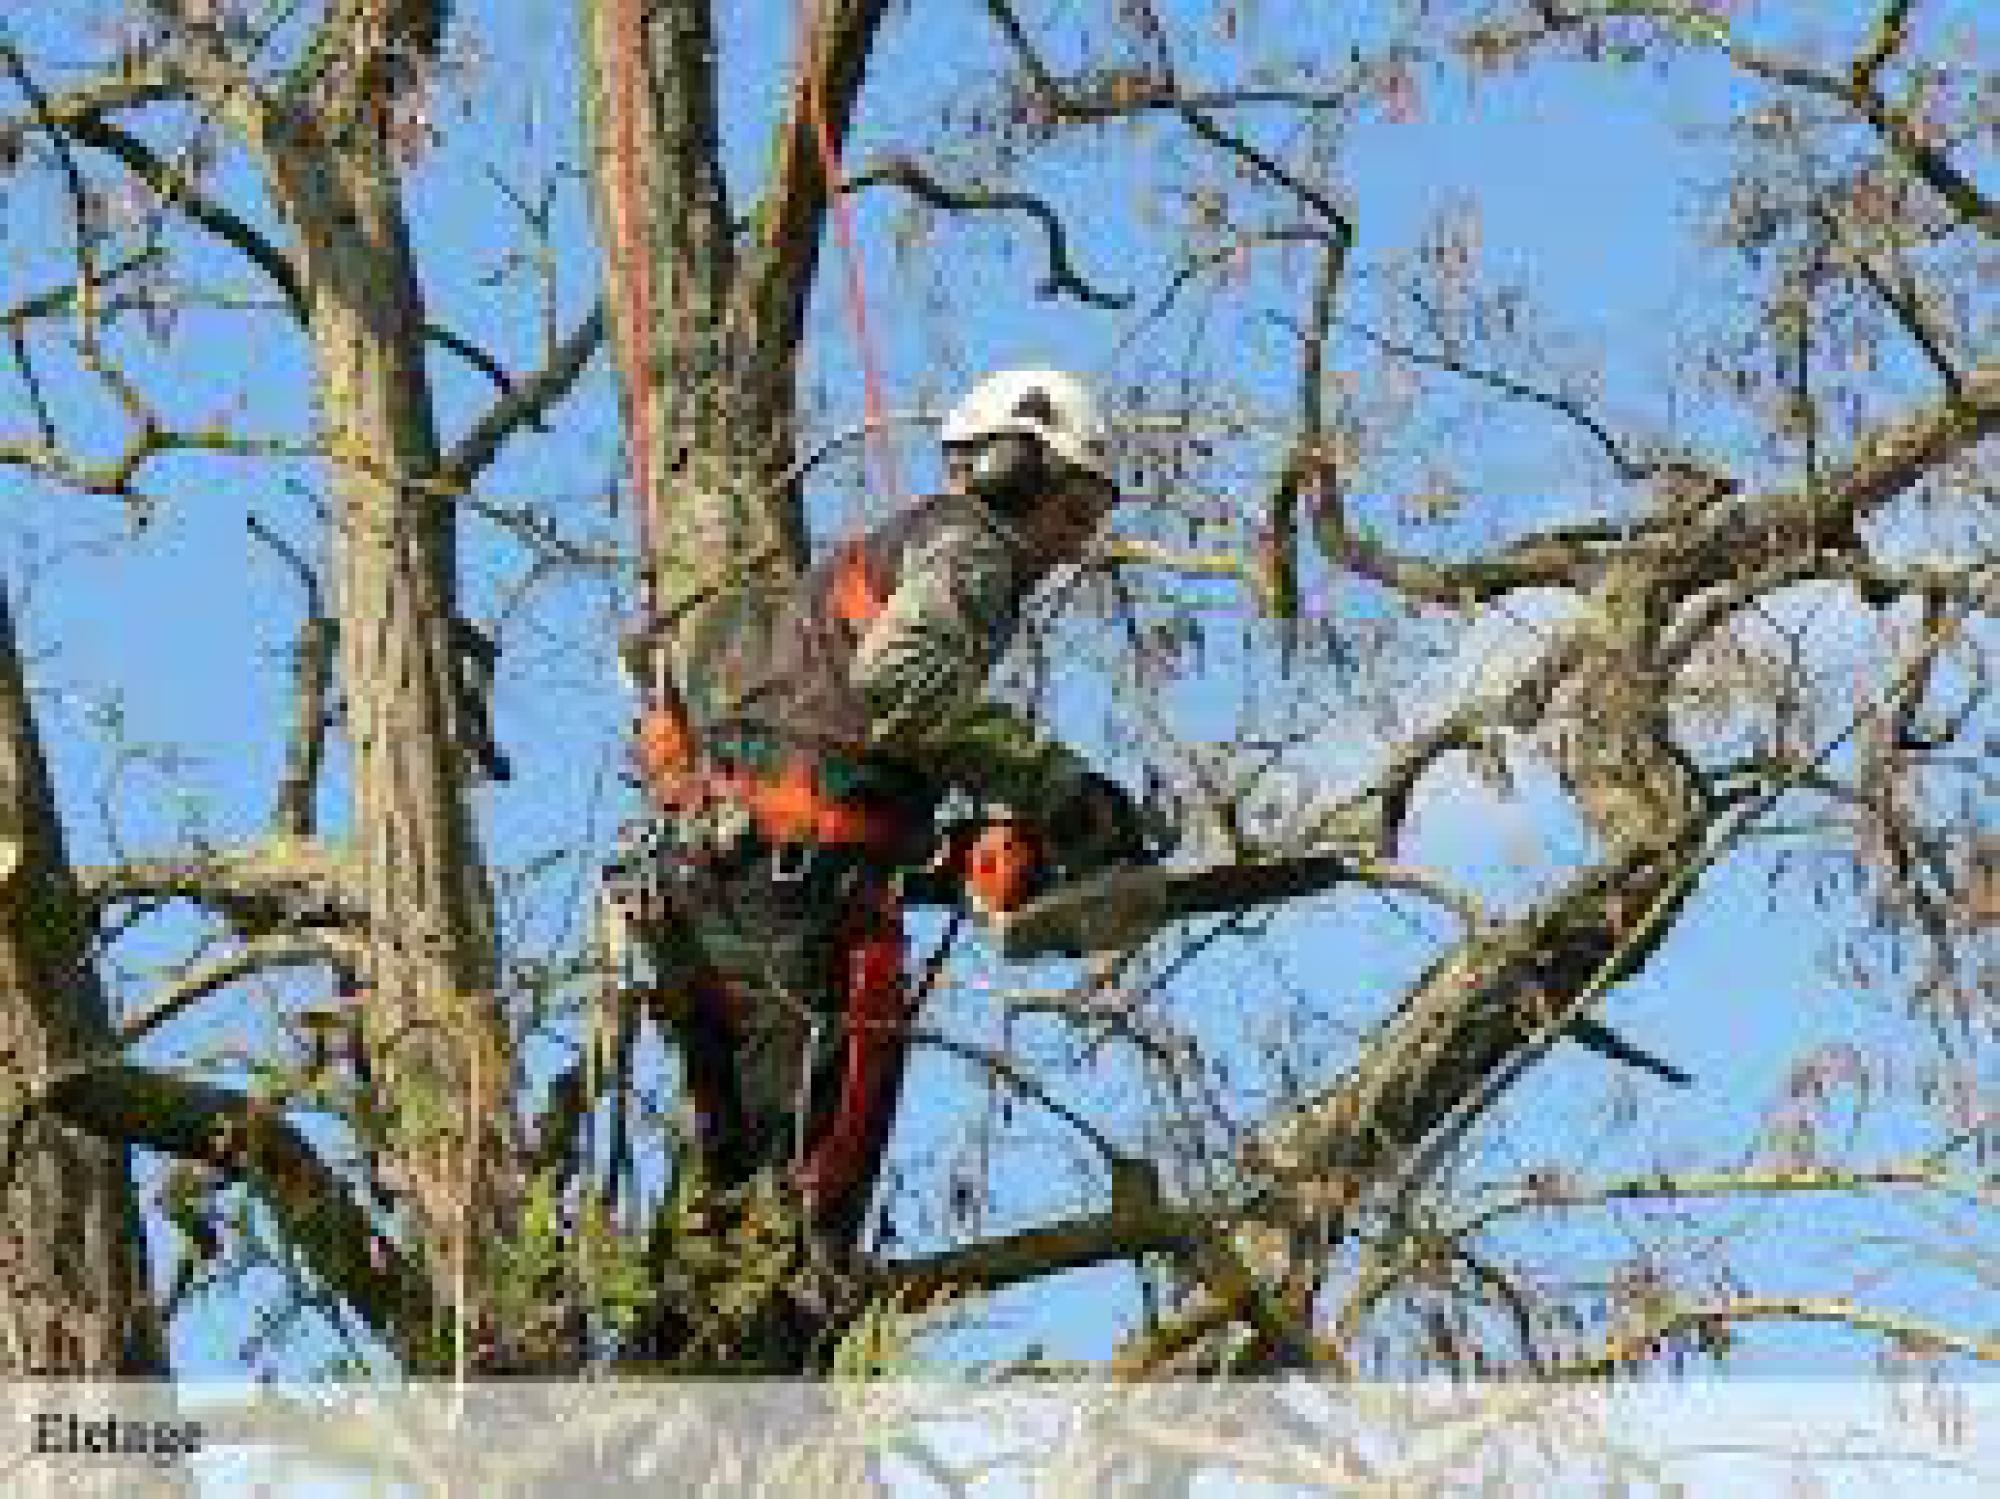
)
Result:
{"points": [[799, 754]]}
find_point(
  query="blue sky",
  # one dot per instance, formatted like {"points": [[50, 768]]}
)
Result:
{"points": [[1582, 175]]}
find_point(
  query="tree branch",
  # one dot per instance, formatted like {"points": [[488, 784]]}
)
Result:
{"points": [[1885, 39], [273, 882], [1456, 584], [837, 45], [258, 955], [176, 188], [1473, 1009], [110, 94], [1114, 94], [1375, 814], [1060, 279], [253, 1142], [1309, 462], [1627, 1348], [1882, 467], [1975, 586], [1020, 1081], [1857, 92], [525, 404], [82, 220], [293, 810], [1902, 297], [1134, 95], [1672, 1186], [1628, 468], [1047, 1249]]}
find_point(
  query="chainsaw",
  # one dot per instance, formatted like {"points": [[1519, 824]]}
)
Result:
{"points": [[1004, 872], [1001, 869]]}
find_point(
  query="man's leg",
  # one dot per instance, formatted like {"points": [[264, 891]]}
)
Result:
{"points": [[797, 1035], [839, 1171], [772, 1069], [707, 1037]]}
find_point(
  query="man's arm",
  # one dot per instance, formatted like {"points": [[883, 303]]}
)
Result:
{"points": [[922, 668]]}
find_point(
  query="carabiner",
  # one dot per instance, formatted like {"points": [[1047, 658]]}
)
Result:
{"points": [[786, 872]]}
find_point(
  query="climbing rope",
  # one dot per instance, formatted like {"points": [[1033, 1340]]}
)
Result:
{"points": [[876, 436], [626, 49]]}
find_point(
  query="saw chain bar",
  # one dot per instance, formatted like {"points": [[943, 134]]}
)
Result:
{"points": [[1122, 907]]}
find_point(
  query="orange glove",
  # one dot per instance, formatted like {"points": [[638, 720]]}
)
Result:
{"points": [[1004, 867]]}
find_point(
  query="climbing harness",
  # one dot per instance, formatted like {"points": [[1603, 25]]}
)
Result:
{"points": [[876, 431]]}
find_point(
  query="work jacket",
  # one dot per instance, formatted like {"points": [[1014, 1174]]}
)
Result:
{"points": [[877, 662]]}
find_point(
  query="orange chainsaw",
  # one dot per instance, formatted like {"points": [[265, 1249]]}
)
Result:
{"points": [[1003, 870]]}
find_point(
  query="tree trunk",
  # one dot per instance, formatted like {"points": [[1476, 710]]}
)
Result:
{"points": [[436, 1029], [662, 211], [707, 328], [74, 1300]]}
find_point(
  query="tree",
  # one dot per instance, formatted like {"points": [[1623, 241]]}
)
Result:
{"points": [[427, 1181]]}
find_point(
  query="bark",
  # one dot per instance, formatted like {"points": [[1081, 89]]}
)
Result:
{"points": [[435, 1026], [74, 1299], [713, 368], [662, 206]]}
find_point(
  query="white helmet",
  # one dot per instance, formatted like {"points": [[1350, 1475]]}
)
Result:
{"points": [[1051, 405]]}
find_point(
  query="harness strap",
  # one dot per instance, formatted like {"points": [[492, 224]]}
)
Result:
{"points": [[856, 597], [790, 802]]}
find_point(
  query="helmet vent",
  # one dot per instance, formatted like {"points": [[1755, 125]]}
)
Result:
{"points": [[1036, 406]]}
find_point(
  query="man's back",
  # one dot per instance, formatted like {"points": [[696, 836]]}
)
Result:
{"points": [[819, 665]]}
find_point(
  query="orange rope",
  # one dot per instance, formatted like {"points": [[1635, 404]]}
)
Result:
{"points": [[876, 438], [627, 44]]}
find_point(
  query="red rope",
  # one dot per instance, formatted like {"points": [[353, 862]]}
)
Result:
{"points": [[876, 438], [627, 43]]}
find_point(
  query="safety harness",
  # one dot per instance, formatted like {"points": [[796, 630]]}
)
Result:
{"points": [[793, 793]]}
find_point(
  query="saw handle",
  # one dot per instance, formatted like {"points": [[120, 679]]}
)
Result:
{"points": [[993, 865], [1003, 867]]}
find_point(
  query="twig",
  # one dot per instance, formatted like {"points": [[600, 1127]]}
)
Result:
{"points": [[1061, 277], [1626, 1347], [258, 954], [79, 195]]}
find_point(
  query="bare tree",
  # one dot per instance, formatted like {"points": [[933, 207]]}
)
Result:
{"points": [[1831, 403]]}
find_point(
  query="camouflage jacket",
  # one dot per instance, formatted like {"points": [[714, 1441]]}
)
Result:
{"points": [[882, 653]]}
